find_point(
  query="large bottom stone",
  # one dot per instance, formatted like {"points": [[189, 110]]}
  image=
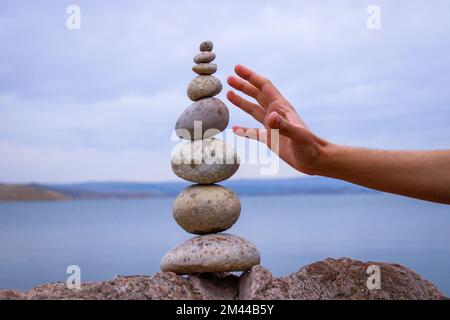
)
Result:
{"points": [[211, 253]]}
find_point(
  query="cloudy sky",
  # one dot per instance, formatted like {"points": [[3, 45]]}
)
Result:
{"points": [[100, 103]]}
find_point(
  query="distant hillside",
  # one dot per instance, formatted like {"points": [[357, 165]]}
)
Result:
{"points": [[125, 190], [14, 192], [250, 187]]}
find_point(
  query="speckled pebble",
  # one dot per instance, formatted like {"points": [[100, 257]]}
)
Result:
{"points": [[203, 87], [205, 161], [203, 119], [202, 209], [204, 57], [219, 252], [205, 68]]}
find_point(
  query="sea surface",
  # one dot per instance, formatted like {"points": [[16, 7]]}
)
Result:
{"points": [[39, 240]]}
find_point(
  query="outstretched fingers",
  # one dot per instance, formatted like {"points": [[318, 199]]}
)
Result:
{"points": [[251, 133], [251, 108], [259, 82], [243, 86], [266, 136]]}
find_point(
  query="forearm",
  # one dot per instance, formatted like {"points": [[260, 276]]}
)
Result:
{"points": [[418, 174]]}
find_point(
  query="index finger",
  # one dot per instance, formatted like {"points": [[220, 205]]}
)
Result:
{"points": [[260, 82]]}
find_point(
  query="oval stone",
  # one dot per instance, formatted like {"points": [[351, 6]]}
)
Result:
{"points": [[204, 57], [206, 46], [203, 119], [203, 209], [211, 253], [205, 68], [203, 87], [205, 161]]}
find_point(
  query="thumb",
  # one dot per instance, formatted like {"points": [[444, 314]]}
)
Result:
{"points": [[275, 121]]}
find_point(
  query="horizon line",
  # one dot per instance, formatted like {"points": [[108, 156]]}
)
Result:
{"points": [[301, 176]]}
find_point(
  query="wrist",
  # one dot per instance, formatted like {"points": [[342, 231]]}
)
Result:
{"points": [[326, 154]]}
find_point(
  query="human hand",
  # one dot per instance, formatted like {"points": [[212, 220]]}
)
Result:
{"points": [[297, 145], [421, 174]]}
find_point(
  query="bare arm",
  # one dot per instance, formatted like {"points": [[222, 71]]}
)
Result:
{"points": [[418, 174]]}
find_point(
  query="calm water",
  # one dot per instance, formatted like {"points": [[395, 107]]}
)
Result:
{"points": [[108, 237]]}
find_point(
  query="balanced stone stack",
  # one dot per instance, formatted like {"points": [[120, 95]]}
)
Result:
{"points": [[205, 208]]}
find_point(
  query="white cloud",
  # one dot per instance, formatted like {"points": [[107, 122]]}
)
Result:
{"points": [[113, 91]]}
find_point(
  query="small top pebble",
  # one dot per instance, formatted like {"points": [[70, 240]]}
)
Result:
{"points": [[206, 46]]}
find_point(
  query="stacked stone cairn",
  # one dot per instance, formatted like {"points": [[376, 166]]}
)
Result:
{"points": [[205, 208]]}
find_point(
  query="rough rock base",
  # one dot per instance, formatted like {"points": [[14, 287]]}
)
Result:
{"points": [[329, 279]]}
